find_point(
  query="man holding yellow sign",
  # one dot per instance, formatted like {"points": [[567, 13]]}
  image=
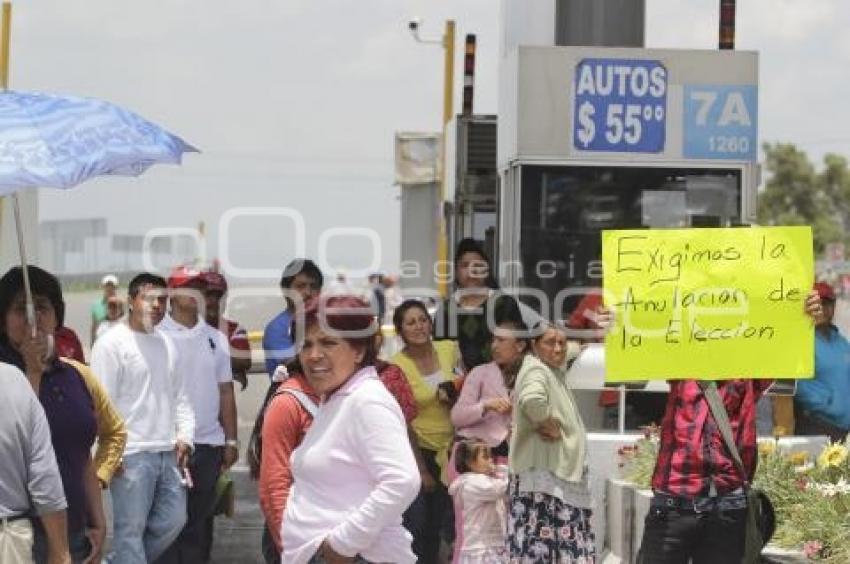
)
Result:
{"points": [[707, 304]]}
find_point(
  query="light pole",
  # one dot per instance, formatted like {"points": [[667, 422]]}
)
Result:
{"points": [[5, 41], [447, 41]]}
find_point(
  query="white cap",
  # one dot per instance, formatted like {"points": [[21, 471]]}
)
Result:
{"points": [[109, 279]]}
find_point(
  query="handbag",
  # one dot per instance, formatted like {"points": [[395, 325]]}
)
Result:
{"points": [[225, 496], [761, 518]]}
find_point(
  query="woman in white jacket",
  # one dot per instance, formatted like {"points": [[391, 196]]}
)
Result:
{"points": [[354, 473]]}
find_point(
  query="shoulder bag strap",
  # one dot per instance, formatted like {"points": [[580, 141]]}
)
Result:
{"points": [[302, 398], [718, 410]]}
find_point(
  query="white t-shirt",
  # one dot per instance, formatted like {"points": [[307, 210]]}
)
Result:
{"points": [[105, 326], [138, 372], [434, 379], [354, 475], [203, 358]]}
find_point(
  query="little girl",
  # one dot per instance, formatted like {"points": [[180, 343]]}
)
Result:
{"points": [[481, 495]]}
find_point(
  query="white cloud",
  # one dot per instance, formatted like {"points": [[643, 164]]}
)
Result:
{"points": [[786, 20]]}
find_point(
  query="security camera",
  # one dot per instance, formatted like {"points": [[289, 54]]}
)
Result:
{"points": [[413, 25]]}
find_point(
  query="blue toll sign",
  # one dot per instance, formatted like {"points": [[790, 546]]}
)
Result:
{"points": [[721, 122], [620, 105]]}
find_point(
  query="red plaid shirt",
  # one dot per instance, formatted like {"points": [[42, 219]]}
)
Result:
{"points": [[692, 453]]}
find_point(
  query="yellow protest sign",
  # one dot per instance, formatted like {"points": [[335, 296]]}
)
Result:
{"points": [[708, 303]]}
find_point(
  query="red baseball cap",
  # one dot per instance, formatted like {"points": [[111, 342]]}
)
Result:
{"points": [[825, 291], [214, 281], [183, 276]]}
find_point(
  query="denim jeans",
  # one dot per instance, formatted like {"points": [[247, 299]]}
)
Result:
{"points": [[673, 536], [148, 507], [190, 546]]}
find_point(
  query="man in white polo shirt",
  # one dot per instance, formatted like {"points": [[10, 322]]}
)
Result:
{"points": [[137, 365], [204, 360]]}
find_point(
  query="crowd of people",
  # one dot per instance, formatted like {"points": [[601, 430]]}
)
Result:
{"points": [[436, 443], [468, 441], [158, 400]]}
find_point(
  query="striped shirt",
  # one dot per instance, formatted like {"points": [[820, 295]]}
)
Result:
{"points": [[692, 453]]}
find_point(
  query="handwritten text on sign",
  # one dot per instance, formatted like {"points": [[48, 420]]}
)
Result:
{"points": [[708, 303]]}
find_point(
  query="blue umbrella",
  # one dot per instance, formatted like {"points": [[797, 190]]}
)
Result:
{"points": [[57, 141]]}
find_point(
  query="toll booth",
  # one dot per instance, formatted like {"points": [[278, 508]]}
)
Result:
{"points": [[595, 138], [614, 138]]}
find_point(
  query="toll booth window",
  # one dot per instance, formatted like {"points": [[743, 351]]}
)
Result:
{"points": [[564, 209]]}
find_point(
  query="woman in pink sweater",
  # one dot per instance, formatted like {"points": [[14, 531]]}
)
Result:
{"points": [[483, 409]]}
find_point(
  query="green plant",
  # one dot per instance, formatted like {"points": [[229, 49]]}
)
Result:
{"points": [[811, 497], [637, 461]]}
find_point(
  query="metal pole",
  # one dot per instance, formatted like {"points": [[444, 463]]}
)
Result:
{"points": [[727, 25], [5, 33], [448, 110], [621, 411], [468, 75], [22, 248], [6, 39], [5, 42]]}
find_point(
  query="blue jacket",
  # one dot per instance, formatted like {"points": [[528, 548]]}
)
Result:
{"points": [[827, 396], [277, 341]]}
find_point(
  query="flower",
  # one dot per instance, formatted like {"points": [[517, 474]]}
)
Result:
{"points": [[808, 466], [833, 455], [766, 448], [828, 489], [812, 548], [799, 458]]}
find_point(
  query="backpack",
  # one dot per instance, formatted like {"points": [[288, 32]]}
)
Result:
{"points": [[254, 452]]}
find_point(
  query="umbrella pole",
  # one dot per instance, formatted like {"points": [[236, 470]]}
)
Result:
{"points": [[5, 36], [23, 251]]}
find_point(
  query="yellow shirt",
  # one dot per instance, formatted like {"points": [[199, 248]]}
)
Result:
{"points": [[111, 434], [433, 425]]}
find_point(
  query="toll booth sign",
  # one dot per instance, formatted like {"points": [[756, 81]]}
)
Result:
{"points": [[721, 122], [620, 105]]}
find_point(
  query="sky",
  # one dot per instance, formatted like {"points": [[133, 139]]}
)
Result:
{"points": [[294, 103]]}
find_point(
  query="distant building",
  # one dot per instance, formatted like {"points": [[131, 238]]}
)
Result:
{"points": [[84, 248]]}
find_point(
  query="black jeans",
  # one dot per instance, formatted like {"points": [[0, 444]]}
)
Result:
{"points": [[78, 544], [267, 546], [806, 425], [190, 546], [672, 536], [430, 517]]}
